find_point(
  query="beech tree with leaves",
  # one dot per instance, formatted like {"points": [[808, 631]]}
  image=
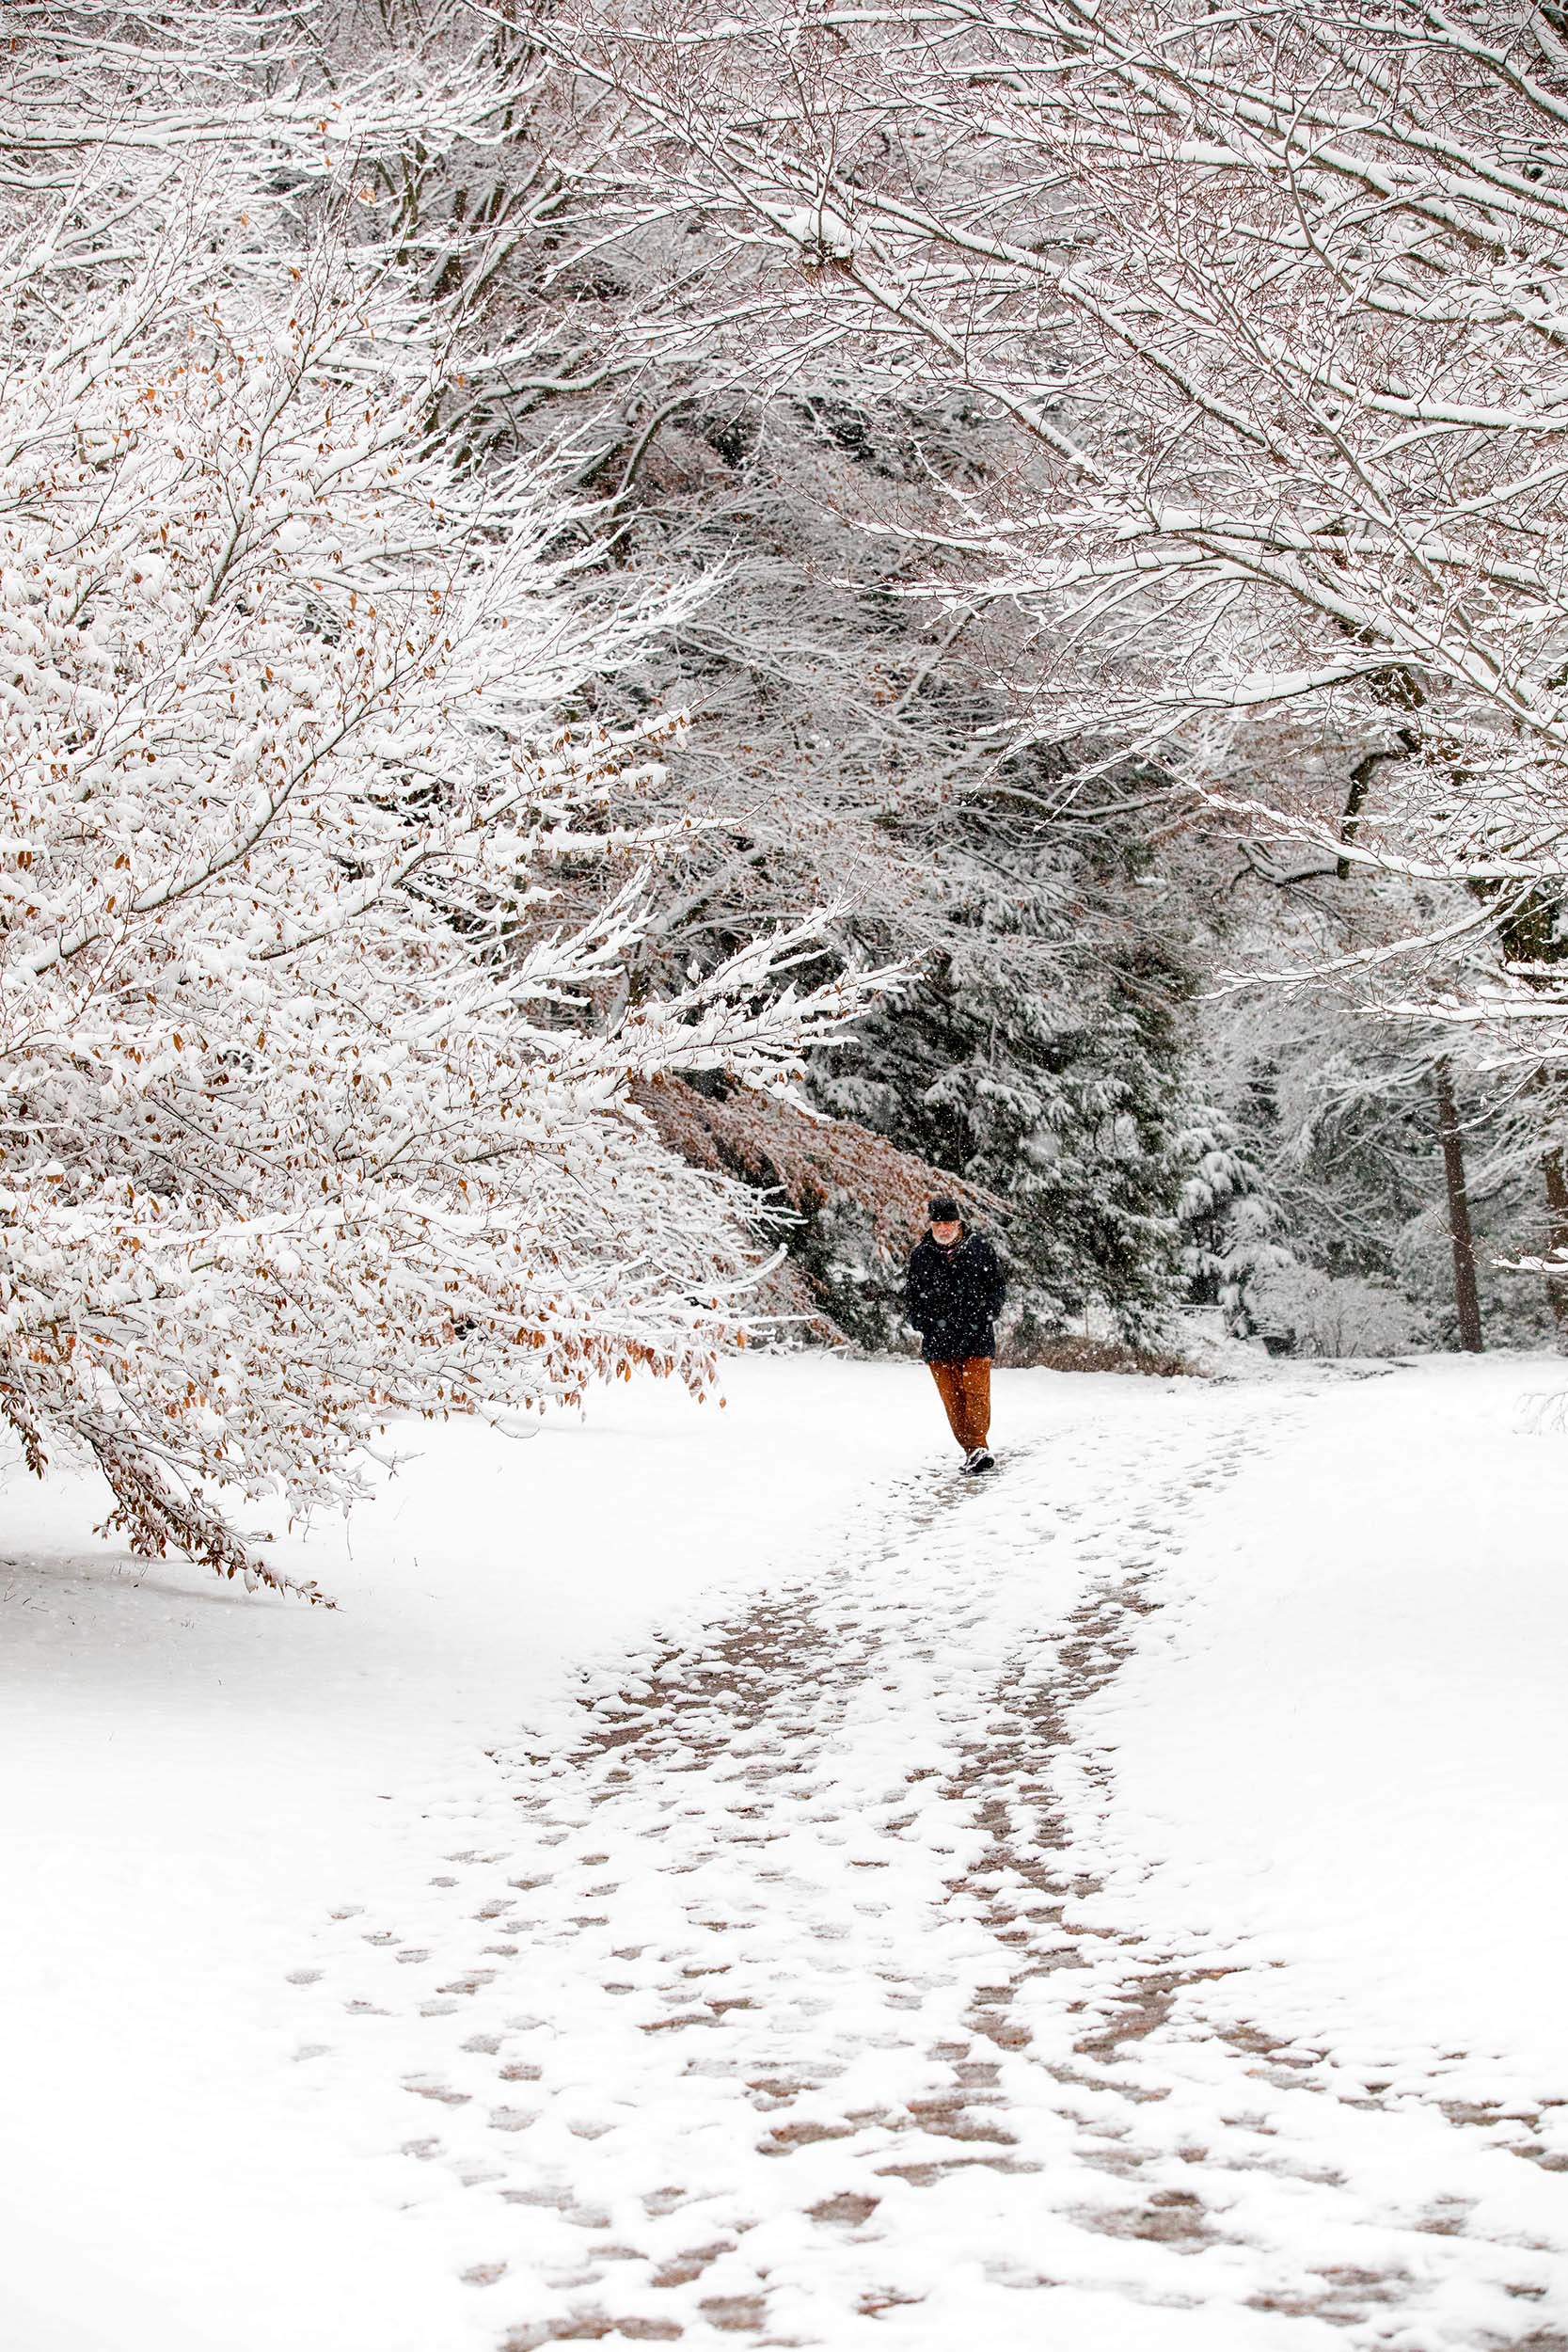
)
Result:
{"points": [[314, 1113]]}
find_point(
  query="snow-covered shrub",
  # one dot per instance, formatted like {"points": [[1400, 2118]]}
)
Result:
{"points": [[846, 1204], [1327, 1314], [1068, 1351]]}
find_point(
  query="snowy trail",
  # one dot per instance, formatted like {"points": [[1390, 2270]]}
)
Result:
{"points": [[774, 2002]]}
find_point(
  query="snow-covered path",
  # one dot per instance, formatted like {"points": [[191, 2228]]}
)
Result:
{"points": [[781, 2002], [1115, 1905]]}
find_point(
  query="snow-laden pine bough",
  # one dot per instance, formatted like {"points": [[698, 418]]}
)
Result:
{"points": [[317, 1099]]}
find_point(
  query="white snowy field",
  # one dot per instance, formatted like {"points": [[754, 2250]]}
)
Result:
{"points": [[720, 1876]]}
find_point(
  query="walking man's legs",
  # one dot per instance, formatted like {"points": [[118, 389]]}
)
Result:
{"points": [[965, 1391], [975, 1374], [949, 1380]]}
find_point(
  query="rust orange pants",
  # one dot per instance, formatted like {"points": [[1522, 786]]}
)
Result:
{"points": [[965, 1390]]}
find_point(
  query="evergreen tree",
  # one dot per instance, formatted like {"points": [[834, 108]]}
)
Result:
{"points": [[1039, 1055], [1231, 1219]]}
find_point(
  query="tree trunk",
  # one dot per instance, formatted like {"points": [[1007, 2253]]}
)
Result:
{"points": [[1554, 1167], [1465, 1297]]}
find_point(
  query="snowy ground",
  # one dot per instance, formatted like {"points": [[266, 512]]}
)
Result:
{"points": [[722, 1877]]}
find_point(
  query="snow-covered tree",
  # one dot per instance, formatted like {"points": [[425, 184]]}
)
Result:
{"points": [[1271, 303], [1271, 307], [1053, 1090], [850, 735], [1230, 1219], [313, 1112]]}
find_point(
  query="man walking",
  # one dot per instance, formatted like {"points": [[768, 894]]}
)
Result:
{"points": [[952, 1294]]}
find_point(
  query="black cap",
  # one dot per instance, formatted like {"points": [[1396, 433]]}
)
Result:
{"points": [[942, 1211]]}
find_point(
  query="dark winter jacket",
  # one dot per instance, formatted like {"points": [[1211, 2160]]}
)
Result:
{"points": [[953, 1297]]}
